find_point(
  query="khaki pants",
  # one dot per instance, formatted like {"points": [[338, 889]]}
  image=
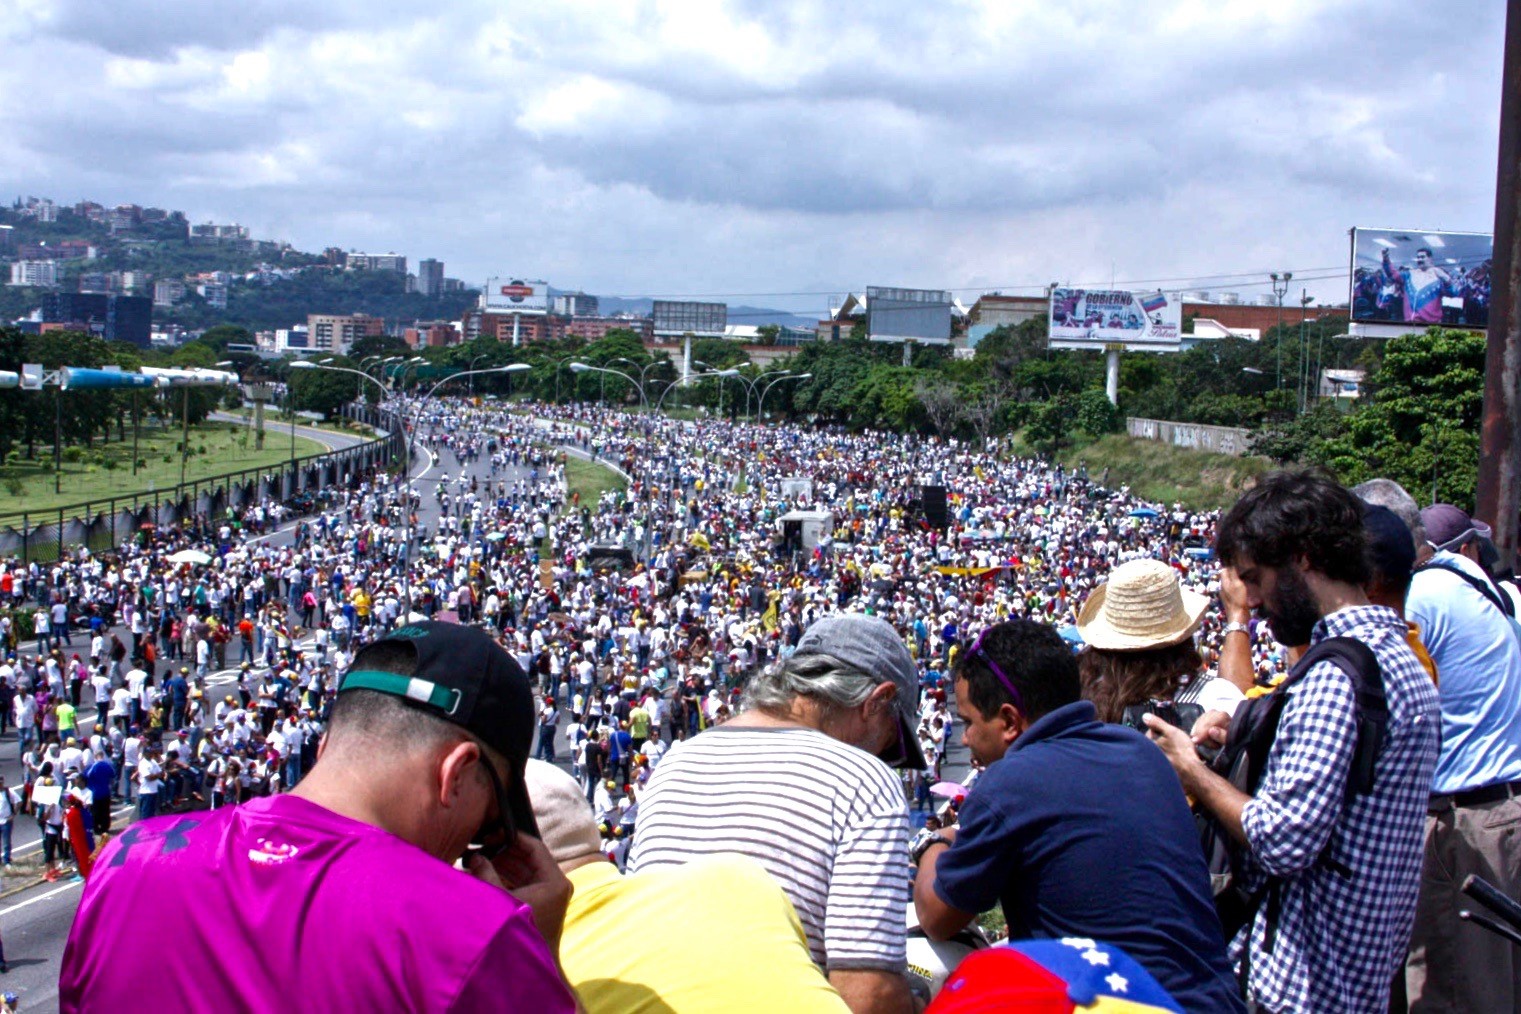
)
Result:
{"points": [[1455, 965]]}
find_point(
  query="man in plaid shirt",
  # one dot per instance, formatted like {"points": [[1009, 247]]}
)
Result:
{"points": [[1348, 865]]}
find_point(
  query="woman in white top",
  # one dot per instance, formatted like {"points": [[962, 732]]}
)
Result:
{"points": [[1138, 629]]}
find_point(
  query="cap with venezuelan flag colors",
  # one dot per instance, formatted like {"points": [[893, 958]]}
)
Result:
{"points": [[1074, 974]]}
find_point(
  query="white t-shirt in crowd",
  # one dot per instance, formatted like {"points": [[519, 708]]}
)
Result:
{"points": [[149, 774]]}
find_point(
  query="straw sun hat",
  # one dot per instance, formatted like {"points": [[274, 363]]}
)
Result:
{"points": [[1142, 606]]}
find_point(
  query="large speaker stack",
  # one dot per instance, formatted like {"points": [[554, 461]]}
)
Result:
{"points": [[932, 500]]}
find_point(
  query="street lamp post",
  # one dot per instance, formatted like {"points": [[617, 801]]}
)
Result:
{"points": [[723, 375], [413, 364], [579, 367], [1280, 287], [184, 433], [643, 371], [752, 384], [290, 403], [749, 389], [676, 383], [483, 355], [1304, 350], [559, 368], [760, 407]]}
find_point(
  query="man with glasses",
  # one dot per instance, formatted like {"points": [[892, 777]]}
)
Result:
{"points": [[800, 782], [346, 884], [1475, 804], [1077, 828]]}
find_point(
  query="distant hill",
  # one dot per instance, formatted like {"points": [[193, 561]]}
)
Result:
{"points": [[161, 249], [737, 314]]}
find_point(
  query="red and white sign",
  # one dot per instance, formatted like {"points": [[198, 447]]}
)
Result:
{"points": [[523, 296]]}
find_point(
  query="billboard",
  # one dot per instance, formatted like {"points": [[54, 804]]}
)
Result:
{"points": [[675, 317], [1100, 318], [1421, 278], [922, 315], [516, 295]]}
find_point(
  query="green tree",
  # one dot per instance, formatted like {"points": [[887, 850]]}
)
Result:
{"points": [[1420, 424], [1095, 415], [324, 391], [378, 345], [885, 397], [1050, 423], [719, 353], [222, 335]]}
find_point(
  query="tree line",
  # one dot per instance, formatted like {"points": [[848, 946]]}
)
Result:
{"points": [[1416, 419]]}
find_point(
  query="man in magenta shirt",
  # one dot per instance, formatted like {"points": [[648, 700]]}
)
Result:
{"points": [[341, 895]]}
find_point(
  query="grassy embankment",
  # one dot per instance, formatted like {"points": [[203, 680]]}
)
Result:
{"points": [[105, 470], [1162, 473]]}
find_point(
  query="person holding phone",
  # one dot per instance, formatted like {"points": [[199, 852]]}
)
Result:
{"points": [[347, 884]]}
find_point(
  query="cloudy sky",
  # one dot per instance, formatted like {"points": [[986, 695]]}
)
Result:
{"points": [[769, 151]]}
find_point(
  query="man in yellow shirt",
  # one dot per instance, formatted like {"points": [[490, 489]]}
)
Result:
{"points": [[719, 898], [361, 602]]}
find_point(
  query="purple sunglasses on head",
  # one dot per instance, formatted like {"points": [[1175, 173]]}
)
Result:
{"points": [[1008, 684]]}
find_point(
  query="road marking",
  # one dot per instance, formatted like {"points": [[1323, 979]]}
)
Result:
{"points": [[29, 846], [41, 897]]}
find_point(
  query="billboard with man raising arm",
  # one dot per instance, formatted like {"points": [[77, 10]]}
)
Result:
{"points": [[1421, 278]]}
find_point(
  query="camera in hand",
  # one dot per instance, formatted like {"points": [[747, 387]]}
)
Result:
{"points": [[1181, 715]]}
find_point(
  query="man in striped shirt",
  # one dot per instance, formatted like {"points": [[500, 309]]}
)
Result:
{"points": [[801, 783]]}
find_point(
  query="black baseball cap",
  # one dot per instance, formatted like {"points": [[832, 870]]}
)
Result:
{"points": [[462, 676], [1391, 547]]}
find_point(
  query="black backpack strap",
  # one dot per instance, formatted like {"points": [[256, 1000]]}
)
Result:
{"points": [[1497, 598], [1244, 760], [1357, 660]]}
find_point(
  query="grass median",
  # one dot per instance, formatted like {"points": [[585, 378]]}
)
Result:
{"points": [[105, 470], [590, 479]]}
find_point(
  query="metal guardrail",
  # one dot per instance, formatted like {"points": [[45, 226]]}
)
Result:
{"points": [[102, 523]]}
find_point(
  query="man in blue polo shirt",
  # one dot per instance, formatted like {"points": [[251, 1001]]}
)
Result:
{"points": [[1077, 828]]}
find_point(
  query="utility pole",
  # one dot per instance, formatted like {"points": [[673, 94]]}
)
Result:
{"points": [[1499, 493]]}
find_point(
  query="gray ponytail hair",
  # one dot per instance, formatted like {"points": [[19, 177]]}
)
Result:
{"points": [[835, 685]]}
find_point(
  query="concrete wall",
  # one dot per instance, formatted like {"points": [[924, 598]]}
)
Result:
{"points": [[1219, 439]]}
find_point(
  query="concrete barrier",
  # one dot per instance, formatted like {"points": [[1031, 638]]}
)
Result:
{"points": [[1231, 440]]}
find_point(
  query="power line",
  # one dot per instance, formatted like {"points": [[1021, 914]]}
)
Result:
{"points": [[1182, 281]]}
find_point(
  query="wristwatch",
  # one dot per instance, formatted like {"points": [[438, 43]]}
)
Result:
{"points": [[918, 850], [1231, 628]]}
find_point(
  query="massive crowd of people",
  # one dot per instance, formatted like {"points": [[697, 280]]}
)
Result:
{"points": [[706, 594]]}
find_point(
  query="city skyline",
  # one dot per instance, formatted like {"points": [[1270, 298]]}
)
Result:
{"points": [[773, 152]]}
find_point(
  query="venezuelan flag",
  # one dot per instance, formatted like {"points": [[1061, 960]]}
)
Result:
{"points": [[1074, 975]]}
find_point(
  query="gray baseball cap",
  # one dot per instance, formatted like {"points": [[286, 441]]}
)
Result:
{"points": [[871, 645]]}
